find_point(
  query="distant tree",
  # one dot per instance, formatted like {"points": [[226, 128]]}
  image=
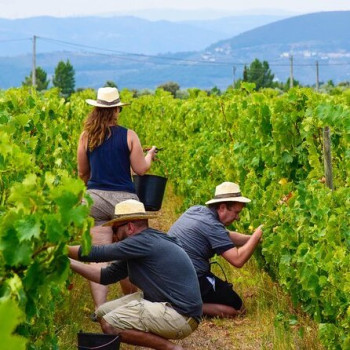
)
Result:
{"points": [[40, 79], [170, 86], [286, 86], [214, 91], [144, 92], [110, 83], [344, 83], [64, 78], [245, 73], [182, 94], [259, 73]]}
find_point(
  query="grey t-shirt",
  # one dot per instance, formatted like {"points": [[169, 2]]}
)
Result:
{"points": [[201, 235], [157, 265]]}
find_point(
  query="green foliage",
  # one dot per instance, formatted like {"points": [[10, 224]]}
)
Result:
{"points": [[64, 78], [170, 86], [286, 86], [259, 73], [40, 209], [271, 144], [10, 317], [110, 83], [40, 78]]}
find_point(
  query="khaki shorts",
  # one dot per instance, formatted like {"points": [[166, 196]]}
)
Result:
{"points": [[104, 203], [133, 312]]}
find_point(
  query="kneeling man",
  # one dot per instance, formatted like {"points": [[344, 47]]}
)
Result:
{"points": [[202, 233], [169, 305]]}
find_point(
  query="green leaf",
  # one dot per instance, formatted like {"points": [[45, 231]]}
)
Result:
{"points": [[28, 228], [10, 317], [15, 253], [53, 227]]}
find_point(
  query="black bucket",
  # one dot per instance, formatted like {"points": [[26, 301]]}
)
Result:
{"points": [[87, 341], [150, 190]]}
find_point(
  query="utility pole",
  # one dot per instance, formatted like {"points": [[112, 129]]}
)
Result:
{"points": [[234, 75], [317, 77], [34, 62], [291, 77]]}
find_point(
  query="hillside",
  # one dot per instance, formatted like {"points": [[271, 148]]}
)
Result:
{"points": [[321, 37], [120, 33], [323, 27]]}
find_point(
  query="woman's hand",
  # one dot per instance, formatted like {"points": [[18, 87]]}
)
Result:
{"points": [[153, 152]]}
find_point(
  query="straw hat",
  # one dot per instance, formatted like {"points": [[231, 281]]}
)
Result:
{"points": [[107, 97], [130, 210], [228, 192]]}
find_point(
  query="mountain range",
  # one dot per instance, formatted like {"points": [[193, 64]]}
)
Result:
{"points": [[138, 53]]}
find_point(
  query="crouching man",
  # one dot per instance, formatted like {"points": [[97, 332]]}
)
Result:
{"points": [[169, 305], [202, 233]]}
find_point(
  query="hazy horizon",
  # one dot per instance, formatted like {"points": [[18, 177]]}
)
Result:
{"points": [[163, 9]]}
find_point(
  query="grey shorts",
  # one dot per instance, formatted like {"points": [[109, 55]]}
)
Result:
{"points": [[133, 312], [104, 203]]}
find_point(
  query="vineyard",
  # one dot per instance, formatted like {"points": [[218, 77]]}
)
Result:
{"points": [[271, 144]]}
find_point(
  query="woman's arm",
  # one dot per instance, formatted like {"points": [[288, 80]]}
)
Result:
{"points": [[83, 161], [140, 164]]}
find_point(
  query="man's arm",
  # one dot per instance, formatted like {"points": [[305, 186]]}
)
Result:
{"points": [[239, 256], [90, 272], [73, 251], [238, 239]]}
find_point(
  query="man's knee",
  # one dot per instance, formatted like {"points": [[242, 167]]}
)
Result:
{"points": [[107, 328]]}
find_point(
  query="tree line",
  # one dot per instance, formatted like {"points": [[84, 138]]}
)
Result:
{"points": [[257, 72]]}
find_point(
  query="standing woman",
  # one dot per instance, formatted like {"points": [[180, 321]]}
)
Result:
{"points": [[106, 154]]}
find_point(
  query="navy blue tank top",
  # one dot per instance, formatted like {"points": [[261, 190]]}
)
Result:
{"points": [[110, 163]]}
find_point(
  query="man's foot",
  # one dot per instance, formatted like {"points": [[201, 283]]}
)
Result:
{"points": [[93, 317]]}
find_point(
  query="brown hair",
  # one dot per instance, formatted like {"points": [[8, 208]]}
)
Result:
{"points": [[97, 125]]}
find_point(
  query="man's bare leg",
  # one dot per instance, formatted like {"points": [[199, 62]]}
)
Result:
{"points": [[134, 337], [220, 310]]}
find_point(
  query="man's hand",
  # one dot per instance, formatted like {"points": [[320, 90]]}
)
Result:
{"points": [[239, 256], [73, 251], [258, 232]]}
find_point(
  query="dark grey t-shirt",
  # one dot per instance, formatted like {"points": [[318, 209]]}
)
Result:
{"points": [[157, 265], [201, 235]]}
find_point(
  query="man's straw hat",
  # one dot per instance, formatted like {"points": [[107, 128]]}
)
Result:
{"points": [[228, 192], [130, 210], [107, 97]]}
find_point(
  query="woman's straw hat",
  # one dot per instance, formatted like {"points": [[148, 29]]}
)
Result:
{"points": [[107, 97]]}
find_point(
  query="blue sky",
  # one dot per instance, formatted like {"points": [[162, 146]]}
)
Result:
{"points": [[25, 8]]}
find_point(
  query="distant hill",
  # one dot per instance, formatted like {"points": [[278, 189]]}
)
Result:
{"points": [[119, 33], [323, 27], [322, 37], [234, 25]]}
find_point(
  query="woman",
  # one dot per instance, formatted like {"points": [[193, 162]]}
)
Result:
{"points": [[106, 153]]}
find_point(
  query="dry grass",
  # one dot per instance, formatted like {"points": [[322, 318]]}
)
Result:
{"points": [[270, 323]]}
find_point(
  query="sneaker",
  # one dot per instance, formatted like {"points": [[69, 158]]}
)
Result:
{"points": [[93, 317]]}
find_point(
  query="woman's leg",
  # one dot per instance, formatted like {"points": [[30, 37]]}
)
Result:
{"points": [[100, 235], [103, 211]]}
